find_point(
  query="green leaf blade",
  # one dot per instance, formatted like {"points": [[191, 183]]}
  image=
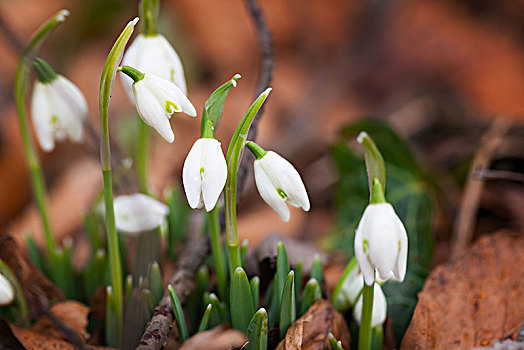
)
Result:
{"points": [[241, 304]]}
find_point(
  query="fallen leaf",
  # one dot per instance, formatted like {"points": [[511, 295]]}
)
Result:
{"points": [[72, 313], [311, 331], [218, 338], [472, 301]]}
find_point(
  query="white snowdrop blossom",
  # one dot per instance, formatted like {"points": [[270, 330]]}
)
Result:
{"points": [[204, 174], [380, 307], [58, 109], [7, 293], [381, 243], [278, 183], [156, 100], [138, 212], [153, 54]]}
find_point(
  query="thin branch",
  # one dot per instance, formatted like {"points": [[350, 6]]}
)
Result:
{"points": [[488, 174], [465, 222], [71, 335], [183, 281], [265, 41]]}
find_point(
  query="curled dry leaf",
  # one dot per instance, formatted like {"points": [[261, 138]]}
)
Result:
{"points": [[311, 331], [472, 301], [38, 290], [221, 337], [71, 313]]}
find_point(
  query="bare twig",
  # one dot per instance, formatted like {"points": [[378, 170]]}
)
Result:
{"points": [[265, 42], [465, 222], [183, 280], [488, 174], [71, 335]]}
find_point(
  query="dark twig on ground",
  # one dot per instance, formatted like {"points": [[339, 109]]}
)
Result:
{"points": [[465, 222], [265, 41], [196, 249]]}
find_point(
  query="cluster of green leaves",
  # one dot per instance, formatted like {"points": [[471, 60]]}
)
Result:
{"points": [[282, 302], [410, 189]]}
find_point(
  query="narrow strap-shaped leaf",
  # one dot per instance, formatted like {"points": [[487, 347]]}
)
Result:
{"points": [[282, 268], [311, 294], [205, 318], [214, 105], [287, 307], [377, 337], [155, 282], [255, 290], [179, 314], [374, 162], [176, 219], [111, 319], [298, 282], [257, 331], [243, 251], [333, 343], [316, 269], [241, 301], [219, 314]]}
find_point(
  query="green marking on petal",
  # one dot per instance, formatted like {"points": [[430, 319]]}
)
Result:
{"points": [[201, 173], [365, 244], [399, 245], [281, 193], [172, 75], [54, 119], [171, 107]]}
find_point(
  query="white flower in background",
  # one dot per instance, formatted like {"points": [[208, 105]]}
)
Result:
{"points": [[7, 293], [381, 243], [204, 174], [58, 108], [278, 182], [156, 100], [352, 285], [380, 307], [138, 212], [153, 54]]}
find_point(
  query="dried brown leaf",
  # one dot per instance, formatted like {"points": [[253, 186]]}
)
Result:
{"points": [[218, 338], [72, 313], [474, 300], [311, 331]]}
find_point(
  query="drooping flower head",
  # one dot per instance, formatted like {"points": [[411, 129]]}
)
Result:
{"points": [[138, 212], [278, 182], [204, 174], [157, 99], [380, 307], [58, 108], [7, 293]]}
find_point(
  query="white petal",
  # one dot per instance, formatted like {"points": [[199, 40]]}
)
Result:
{"points": [[368, 271], [400, 270], [215, 172], [379, 226], [268, 192], [7, 293], [380, 306], [168, 91], [138, 212], [191, 174], [351, 287], [153, 54], [289, 179], [70, 106], [41, 111], [151, 111]]}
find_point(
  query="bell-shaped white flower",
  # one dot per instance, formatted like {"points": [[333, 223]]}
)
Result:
{"points": [[138, 212], [204, 174], [157, 99], [58, 109], [380, 307], [350, 289], [278, 182], [7, 293], [153, 54], [381, 243]]}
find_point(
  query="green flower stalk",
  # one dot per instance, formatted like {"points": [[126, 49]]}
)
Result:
{"points": [[21, 83], [234, 155], [106, 87]]}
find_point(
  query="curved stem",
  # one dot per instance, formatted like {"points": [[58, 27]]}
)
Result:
{"points": [[106, 87], [364, 335], [218, 252], [21, 83]]}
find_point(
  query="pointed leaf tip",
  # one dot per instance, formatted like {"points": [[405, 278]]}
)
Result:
{"points": [[361, 136], [62, 14]]}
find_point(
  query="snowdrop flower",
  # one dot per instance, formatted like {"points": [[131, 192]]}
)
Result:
{"points": [[352, 285], [58, 107], [138, 212], [153, 54], [278, 182], [157, 99], [380, 307], [7, 293], [204, 174], [381, 243]]}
